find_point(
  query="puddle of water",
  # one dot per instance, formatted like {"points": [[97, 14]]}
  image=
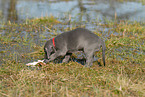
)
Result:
{"points": [[100, 9], [91, 10]]}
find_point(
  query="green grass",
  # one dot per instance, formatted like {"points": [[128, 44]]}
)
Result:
{"points": [[123, 75]]}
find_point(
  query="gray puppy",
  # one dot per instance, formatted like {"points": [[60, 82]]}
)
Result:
{"points": [[79, 39]]}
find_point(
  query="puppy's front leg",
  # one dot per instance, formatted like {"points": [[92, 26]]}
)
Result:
{"points": [[57, 54], [67, 57]]}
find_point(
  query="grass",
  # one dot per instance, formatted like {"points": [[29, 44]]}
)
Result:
{"points": [[123, 75]]}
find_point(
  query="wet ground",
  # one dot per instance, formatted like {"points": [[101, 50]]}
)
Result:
{"points": [[17, 41]]}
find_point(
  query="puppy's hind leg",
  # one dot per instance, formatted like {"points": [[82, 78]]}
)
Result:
{"points": [[89, 57]]}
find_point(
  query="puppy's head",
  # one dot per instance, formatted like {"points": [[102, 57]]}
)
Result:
{"points": [[48, 49]]}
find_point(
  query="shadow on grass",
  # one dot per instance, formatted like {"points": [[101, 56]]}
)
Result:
{"points": [[82, 61]]}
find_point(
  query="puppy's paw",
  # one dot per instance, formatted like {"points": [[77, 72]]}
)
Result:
{"points": [[46, 61]]}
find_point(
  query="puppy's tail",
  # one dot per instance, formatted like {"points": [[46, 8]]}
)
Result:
{"points": [[103, 51]]}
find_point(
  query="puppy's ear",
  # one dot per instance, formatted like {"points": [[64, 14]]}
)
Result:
{"points": [[49, 50], [47, 53]]}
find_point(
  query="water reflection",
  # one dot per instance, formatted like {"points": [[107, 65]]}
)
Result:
{"points": [[8, 9], [79, 9]]}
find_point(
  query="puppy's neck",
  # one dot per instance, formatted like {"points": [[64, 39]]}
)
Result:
{"points": [[53, 44]]}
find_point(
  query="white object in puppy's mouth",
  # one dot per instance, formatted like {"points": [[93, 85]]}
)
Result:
{"points": [[35, 63]]}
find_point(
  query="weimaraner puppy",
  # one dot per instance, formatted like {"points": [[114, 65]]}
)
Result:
{"points": [[79, 39]]}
